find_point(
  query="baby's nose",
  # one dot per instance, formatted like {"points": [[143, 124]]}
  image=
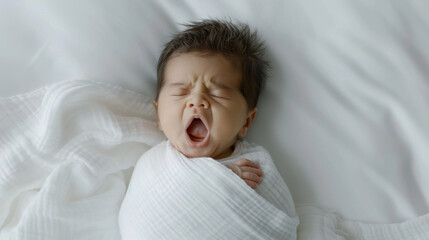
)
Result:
{"points": [[198, 101]]}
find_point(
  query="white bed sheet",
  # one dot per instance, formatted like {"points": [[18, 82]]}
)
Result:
{"points": [[344, 114]]}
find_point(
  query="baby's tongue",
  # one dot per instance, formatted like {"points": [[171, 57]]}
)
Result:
{"points": [[197, 129]]}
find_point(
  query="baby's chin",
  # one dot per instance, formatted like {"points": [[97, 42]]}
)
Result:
{"points": [[195, 153], [199, 153]]}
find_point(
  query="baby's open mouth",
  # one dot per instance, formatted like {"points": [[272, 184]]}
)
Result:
{"points": [[197, 130]]}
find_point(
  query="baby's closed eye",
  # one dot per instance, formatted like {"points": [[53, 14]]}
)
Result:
{"points": [[179, 92], [220, 94]]}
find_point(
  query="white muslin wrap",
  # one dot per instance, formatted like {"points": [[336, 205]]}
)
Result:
{"points": [[64, 154], [171, 196]]}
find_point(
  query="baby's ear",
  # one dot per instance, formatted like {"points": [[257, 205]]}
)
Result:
{"points": [[250, 117], [155, 105]]}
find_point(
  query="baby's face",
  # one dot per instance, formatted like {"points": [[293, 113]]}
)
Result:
{"points": [[200, 107]]}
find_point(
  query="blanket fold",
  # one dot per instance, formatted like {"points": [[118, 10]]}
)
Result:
{"points": [[174, 197], [64, 154]]}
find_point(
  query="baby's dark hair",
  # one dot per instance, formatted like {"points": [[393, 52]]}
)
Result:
{"points": [[235, 41]]}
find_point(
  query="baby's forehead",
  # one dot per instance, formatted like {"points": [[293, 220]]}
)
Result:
{"points": [[203, 53], [214, 66]]}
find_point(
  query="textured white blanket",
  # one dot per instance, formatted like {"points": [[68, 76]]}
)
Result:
{"points": [[64, 154], [174, 197]]}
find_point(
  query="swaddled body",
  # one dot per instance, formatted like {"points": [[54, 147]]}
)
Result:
{"points": [[209, 78], [171, 196]]}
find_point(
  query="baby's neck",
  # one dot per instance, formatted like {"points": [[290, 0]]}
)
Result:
{"points": [[225, 153]]}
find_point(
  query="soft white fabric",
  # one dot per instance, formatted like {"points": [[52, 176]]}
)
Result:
{"points": [[345, 111], [173, 197], [64, 154], [321, 223]]}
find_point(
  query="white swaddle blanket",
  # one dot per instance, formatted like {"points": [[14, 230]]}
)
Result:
{"points": [[66, 152], [173, 197], [65, 155]]}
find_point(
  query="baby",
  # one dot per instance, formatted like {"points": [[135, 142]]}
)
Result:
{"points": [[209, 78]]}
